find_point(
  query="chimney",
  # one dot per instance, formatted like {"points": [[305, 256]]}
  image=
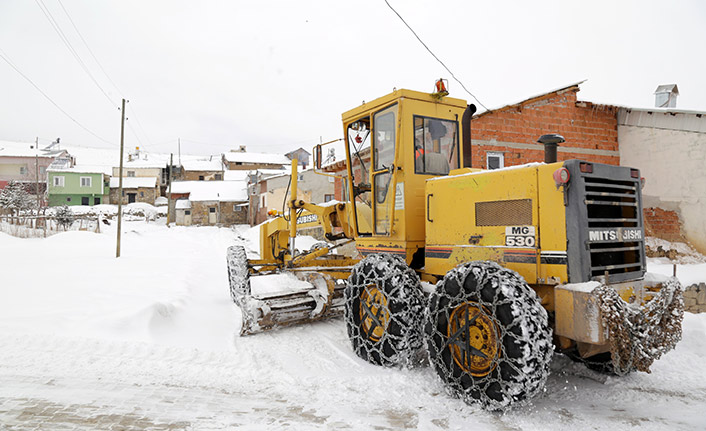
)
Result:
{"points": [[241, 149], [666, 96], [550, 142]]}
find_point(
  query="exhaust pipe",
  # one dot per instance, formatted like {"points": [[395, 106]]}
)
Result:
{"points": [[550, 142], [466, 125]]}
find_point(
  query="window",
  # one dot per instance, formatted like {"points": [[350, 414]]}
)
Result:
{"points": [[200, 177], [187, 212], [59, 181], [436, 149], [68, 199], [358, 138], [86, 182], [142, 194], [495, 160], [131, 174], [328, 198], [84, 200], [23, 170], [42, 170], [212, 210], [219, 177], [96, 201]]}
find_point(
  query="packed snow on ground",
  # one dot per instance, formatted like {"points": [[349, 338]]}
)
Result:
{"points": [[152, 337]]}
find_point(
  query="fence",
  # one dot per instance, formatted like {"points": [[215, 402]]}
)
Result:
{"points": [[42, 226]]}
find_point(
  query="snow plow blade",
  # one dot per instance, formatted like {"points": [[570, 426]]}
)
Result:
{"points": [[263, 312], [637, 322]]}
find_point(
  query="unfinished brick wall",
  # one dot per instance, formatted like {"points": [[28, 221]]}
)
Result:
{"points": [[662, 224], [514, 130]]}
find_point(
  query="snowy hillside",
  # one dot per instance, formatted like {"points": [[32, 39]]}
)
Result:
{"points": [[150, 341]]}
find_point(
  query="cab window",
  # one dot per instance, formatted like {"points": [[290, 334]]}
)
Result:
{"points": [[436, 149]]}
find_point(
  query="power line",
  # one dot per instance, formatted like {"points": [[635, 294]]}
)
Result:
{"points": [[135, 116], [87, 47], [7, 60], [434, 55], [67, 43]]}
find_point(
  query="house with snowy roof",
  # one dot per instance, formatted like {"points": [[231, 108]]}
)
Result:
{"points": [[27, 164], [210, 169], [135, 189], [78, 185], [209, 202], [242, 160]]}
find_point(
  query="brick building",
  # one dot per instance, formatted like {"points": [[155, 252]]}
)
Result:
{"points": [[508, 136]]}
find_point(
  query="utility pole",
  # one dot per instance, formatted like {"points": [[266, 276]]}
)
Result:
{"points": [[36, 173], [171, 179], [120, 181]]}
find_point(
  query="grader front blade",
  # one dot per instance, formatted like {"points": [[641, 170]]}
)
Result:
{"points": [[319, 297]]}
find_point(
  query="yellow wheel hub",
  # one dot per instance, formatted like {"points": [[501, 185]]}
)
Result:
{"points": [[473, 339], [374, 312]]}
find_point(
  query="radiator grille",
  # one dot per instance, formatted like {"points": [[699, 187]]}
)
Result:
{"points": [[613, 204], [504, 213]]}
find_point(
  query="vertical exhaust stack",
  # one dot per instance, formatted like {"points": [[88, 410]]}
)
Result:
{"points": [[550, 142], [466, 144]]}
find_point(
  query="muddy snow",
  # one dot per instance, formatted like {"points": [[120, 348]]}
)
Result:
{"points": [[150, 341]]}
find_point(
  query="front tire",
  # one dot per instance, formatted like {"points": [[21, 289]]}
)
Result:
{"points": [[383, 310], [488, 336]]}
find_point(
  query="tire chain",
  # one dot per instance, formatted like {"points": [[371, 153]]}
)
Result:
{"points": [[639, 336], [405, 310], [517, 378]]}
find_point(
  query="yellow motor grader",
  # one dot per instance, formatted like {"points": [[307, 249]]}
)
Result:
{"points": [[487, 271]]}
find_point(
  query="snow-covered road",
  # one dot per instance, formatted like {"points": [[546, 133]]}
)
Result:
{"points": [[149, 341]]}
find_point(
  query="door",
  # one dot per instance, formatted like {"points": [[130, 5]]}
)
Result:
{"points": [[212, 216], [384, 136], [131, 197]]}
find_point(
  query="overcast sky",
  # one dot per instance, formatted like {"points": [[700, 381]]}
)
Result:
{"points": [[276, 75]]}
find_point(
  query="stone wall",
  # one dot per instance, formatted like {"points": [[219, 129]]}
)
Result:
{"points": [[695, 298]]}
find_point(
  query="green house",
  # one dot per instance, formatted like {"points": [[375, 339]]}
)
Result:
{"points": [[77, 186]]}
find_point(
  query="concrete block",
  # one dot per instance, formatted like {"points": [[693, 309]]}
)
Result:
{"points": [[690, 293], [701, 297]]}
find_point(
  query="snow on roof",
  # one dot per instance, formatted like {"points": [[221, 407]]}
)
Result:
{"points": [[235, 175], [214, 164], [256, 158], [223, 191], [557, 90], [266, 173], [21, 149], [133, 182], [183, 204], [84, 169]]}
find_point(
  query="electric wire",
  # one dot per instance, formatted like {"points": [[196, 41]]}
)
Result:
{"points": [[95, 59], [434, 55], [7, 60], [67, 43]]}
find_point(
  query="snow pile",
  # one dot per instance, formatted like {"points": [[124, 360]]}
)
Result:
{"points": [[132, 211], [674, 251]]}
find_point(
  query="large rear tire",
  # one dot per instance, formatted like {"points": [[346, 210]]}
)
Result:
{"points": [[488, 336], [384, 310]]}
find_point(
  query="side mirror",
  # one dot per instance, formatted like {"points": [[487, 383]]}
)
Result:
{"points": [[317, 156]]}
